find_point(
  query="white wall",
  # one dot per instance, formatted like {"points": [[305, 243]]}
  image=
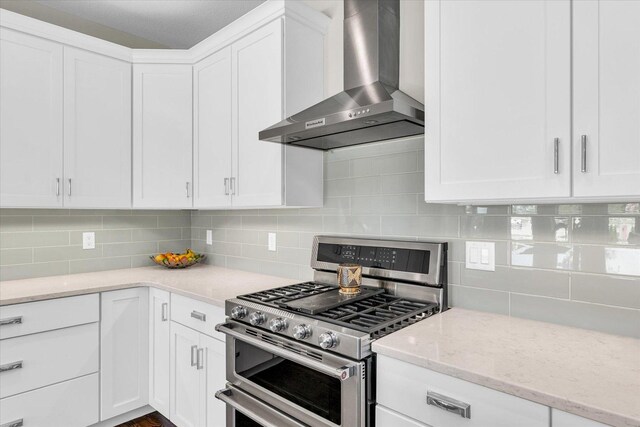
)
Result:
{"points": [[411, 46]]}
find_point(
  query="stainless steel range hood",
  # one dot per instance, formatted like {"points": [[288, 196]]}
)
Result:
{"points": [[371, 108]]}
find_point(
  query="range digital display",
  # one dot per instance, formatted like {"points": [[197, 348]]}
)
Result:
{"points": [[408, 260]]}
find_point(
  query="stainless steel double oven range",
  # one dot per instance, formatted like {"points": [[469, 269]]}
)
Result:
{"points": [[300, 355]]}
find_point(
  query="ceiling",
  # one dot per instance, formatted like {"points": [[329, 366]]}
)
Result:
{"points": [[176, 24]]}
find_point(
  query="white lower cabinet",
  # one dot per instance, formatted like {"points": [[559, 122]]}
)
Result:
{"points": [[565, 419], [159, 350], [387, 418], [124, 356], [197, 372], [72, 403], [403, 388]]}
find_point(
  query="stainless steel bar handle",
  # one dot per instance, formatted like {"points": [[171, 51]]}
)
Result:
{"points": [[448, 404], [556, 155], [12, 366], [255, 409], [226, 186], [57, 187], [194, 355], [16, 423], [69, 189], [583, 153], [200, 316], [342, 373], [233, 185], [200, 359], [11, 320], [165, 311], [187, 189]]}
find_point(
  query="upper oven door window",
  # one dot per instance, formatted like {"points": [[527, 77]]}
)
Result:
{"points": [[312, 390]]}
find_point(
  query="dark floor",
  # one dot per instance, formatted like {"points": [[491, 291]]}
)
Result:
{"points": [[153, 419]]}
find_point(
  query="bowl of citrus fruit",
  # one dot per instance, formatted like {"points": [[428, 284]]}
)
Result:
{"points": [[183, 260]]}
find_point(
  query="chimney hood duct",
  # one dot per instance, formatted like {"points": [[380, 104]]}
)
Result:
{"points": [[371, 108]]}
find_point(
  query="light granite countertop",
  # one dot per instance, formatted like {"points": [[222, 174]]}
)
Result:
{"points": [[206, 283], [590, 374]]}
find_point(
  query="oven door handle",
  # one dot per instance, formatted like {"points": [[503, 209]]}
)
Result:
{"points": [[342, 373], [255, 409]]}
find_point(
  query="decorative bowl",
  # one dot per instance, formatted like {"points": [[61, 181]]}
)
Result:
{"points": [[171, 260]]}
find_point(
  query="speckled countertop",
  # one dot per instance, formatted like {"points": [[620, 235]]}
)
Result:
{"points": [[206, 283], [587, 373]]}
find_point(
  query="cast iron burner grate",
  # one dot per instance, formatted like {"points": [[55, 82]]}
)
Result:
{"points": [[379, 314]]}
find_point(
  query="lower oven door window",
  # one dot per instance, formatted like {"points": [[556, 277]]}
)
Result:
{"points": [[309, 389]]}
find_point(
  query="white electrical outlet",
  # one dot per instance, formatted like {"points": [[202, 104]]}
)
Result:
{"points": [[272, 242], [209, 237], [481, 256], [89, 240]]}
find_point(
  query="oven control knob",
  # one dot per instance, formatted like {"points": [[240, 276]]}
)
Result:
{"points": [[277, 325], [238, 312], [257, 318], [301, 332], [328, 340]]}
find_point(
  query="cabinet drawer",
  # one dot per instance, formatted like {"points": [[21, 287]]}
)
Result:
{"points": [[33, 317], [197, 315], [387, 418], [70, 404], [565, 419], [403, 388], [38, 360]]}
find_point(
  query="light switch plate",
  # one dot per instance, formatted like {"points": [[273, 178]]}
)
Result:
{"points": [[481, 256], [272, 242], [209, 237], [89, 240]]}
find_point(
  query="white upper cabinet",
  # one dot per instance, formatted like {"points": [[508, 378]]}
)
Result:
{"points": [[31, 121], [498, 100], [606, 71], [257, 81], [257, 76], [212, 137], [162, 136], [97, 130]]}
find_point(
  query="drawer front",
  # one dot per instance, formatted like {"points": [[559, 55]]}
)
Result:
{"points": [[197, 315], [33, 317], [71, 403], [565, 419], [39, 360], [387, 418], [403, 388]]}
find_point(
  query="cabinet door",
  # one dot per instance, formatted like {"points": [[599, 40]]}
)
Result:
{"points": [[565, 419], [606, 49], [497, 98], [257, 81], [97, 130], [159, 351], [162, 136], [214, 410], [124, 357], [186, 405], [212, 131], [31, 121]]}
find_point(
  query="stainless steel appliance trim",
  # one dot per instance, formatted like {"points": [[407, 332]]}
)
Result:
{"points": [[448, 404], [198, 315], [11, 366], [432, 278], [16, 423], [165, 311], [556, 155], [194, 355], [583, 153], [342, 373], [253, 408], [16, 320]]}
